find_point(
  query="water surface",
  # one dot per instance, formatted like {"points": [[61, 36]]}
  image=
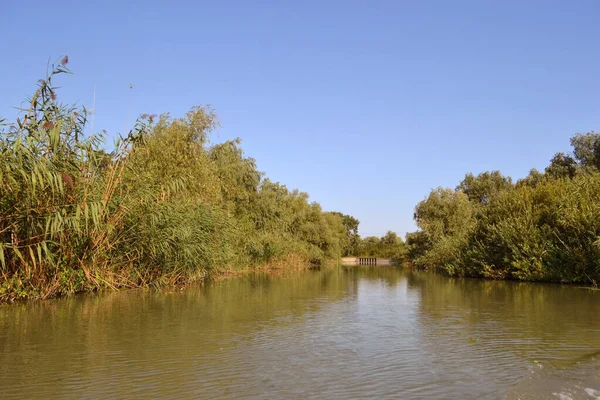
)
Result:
{"points": [[355, 332]]}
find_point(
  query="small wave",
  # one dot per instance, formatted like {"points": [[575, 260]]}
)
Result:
{"points": [[579, 381]]}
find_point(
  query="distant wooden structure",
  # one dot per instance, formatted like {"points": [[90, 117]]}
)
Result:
{"points": [[365, 261]]}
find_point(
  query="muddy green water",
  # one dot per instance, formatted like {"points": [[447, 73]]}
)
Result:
{"points": [[358, 332]]}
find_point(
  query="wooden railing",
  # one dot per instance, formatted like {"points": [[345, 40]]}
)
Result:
{"points": [[367, 261]]}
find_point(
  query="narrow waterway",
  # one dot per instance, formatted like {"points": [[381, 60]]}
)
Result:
{"points": [[350, 332]]}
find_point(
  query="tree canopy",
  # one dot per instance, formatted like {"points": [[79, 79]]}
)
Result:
{"points": [[546, 227]]}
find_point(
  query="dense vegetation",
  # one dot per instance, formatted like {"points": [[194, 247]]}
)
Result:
{"points": [[545, 227], [165, 206], [388, 246], [168, 206]]}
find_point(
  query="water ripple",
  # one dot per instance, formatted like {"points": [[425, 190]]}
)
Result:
{"points": [[376, 333]]}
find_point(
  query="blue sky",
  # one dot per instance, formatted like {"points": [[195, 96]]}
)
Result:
{"points": [[366, 105]]}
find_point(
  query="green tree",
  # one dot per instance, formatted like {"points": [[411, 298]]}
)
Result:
{"points": [[586, 149], [547, 227], [562, 166], [482, 188], [532, 179], [352, 238], [447, 218]]}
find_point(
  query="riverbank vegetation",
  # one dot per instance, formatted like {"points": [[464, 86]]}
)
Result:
{"points": [[389, 245], [165, 206], [545, 227]]}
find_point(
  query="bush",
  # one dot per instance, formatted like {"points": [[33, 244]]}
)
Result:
{"points": [[547, 227]]}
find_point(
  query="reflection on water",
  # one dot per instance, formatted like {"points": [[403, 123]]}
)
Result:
{"points": [[344, 333]]}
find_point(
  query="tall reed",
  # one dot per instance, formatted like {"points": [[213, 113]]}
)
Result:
{"points": [[165, 206]]}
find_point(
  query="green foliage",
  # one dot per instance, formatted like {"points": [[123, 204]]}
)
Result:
{"points": [[586, 149], [483, 187], [547, 227], [446, 218], [351, 242], [417, 245], [388, 246], [562, 166], [532, 179], [165, 206]]}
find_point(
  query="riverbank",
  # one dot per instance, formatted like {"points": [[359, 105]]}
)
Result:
{"points": [[165, 206], [119, 281]]}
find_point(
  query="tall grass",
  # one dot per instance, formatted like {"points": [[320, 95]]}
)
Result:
{"points": [[165, 206]]}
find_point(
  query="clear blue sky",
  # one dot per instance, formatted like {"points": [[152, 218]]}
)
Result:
{"points": [[366, 105]]}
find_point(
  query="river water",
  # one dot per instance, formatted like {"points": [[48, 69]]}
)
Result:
{"points": [[358, 332]]}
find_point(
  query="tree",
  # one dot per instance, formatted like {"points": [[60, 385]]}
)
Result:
{"points": [[369, 246], [418, 244], [444, 212], [446, 218], [533, 179], [481, 188], [390, 239], [239, 178], [351, 245], [562, 166], [586, 149], [392, 246]]}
